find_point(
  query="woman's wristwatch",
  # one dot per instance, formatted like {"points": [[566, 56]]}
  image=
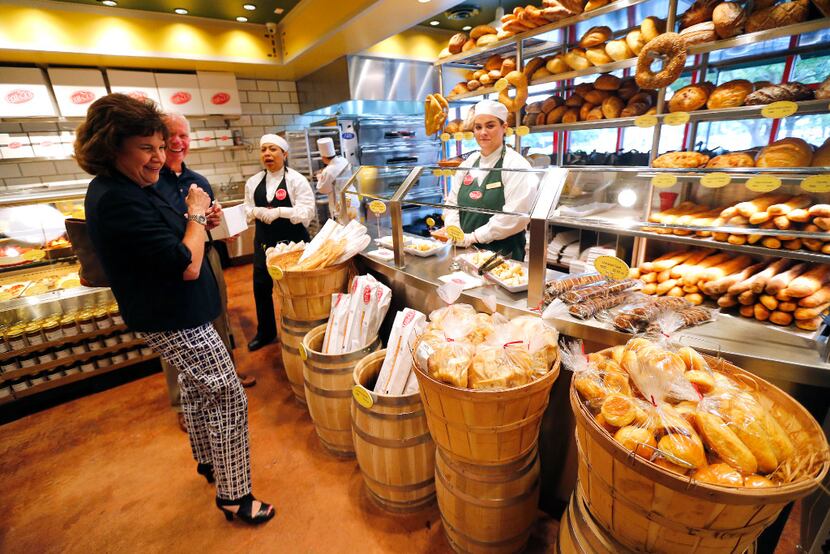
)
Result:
{"points": [[198, 218]]}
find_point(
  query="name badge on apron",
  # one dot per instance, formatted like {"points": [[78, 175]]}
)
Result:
{"points": [[476, 195], [468, 179], [491, 186], [280, 194]]}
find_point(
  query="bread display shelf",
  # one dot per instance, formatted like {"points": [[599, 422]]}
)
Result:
{"points": [[81, 376], [761, 36], [633, 229], [64, 340], [40, 368], [479, 53], [806, 107]]}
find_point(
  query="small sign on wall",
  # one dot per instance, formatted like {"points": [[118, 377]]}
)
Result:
{"points": [[138, 84], [24, 93], [76, 89], [219, 93], [180, 93]]}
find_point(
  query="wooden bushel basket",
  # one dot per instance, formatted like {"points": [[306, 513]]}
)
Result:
{"points": [[394, 450], [306, 295], [484, 426], [291, 337], [328, 390], [651, 509]]}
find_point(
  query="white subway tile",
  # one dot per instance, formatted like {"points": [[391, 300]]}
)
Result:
{"points": [[288, 86], [257, 96], [290, 108], [266, 85], [8, 170], [246, 84], [37, 169], [249, 108], [271, 108]]}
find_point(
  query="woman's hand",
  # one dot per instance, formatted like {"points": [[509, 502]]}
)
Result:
{"points": [[197, 201], [214, 216]]}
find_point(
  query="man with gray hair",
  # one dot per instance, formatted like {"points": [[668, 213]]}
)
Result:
{"points": [[174, 181]]}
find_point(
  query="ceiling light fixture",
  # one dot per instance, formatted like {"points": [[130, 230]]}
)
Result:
{"points": [[181, 11], [278, 11], [434, 23], [424, 1], [242, 19], [110, 3], [466, 28], [249, 7]]}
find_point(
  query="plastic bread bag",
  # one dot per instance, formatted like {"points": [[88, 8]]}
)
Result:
{"points": [[381, 297], [587, 378], [602, 289], [596, 306], [450, 363], [636, 316], [453, 313], [539, 338], [489, 369], [396, 371], [335, 327], [555, 288]]}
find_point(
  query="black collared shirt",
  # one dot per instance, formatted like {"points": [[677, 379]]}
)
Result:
{"points": [[174, 187]]}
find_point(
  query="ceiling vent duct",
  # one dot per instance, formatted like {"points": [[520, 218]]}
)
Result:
{"points": [[462, 12]]}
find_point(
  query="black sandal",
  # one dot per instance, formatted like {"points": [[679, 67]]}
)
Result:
{"points": [[246, 506], [206, 470]]}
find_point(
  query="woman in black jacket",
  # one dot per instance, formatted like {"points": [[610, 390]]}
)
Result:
{"points": [[154, 259]]}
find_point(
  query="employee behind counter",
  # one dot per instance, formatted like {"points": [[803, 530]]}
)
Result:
{"points": [[505, 191]]}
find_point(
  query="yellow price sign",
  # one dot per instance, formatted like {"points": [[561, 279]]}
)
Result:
{"points": [[777, 110], [816, 183], [501, 84], [468, 135], [715, 180], [646, 121], [455, 233], [763, 183], [445, 137], [303, 352], [430, 222], [523, 130], [676, 118], [663, 181], [438, 172], [362, 396], [33, 255], [448, 173], [509, 132], [275, 272], [611, 267], [458, 136], [377, 207]]}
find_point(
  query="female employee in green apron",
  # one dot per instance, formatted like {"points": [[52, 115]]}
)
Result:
{"points": [[281, 203], [505, 191]]}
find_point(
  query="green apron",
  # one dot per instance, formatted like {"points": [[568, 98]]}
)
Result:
{"points": [[488, 195]]}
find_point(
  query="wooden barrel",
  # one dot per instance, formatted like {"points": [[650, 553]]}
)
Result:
{"points": [[328, 384], [306, 295], [395, 453], [291, 337], [482, 426], [488, 509], [650, 509]]}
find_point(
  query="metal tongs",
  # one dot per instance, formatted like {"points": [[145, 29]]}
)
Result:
{"points": [[490, 263]]}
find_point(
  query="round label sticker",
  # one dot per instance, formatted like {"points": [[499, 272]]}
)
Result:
{"points": [[455, 233], [33, 255], [476, 195], [280, 194], [663, 181], [468, 135], [523, 130], [501, 84], [430, 222], [676, 118], [377, 207], [468, 179], [777, 110], [645, 121], [715, 180], [816, 183], [362, 396], [509, 132], [303, 353], [445, 137], [763, 183], [275, 272], [611, 267], [458, 136]]}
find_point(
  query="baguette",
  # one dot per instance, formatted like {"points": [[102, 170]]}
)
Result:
{"points": [[648, 278], [676, 292], [720, 286], [664, 275], [793, 244], [808, 324], [794, 203], [649, 266], [799, 215], [769, 302], [782, 280], [759, 280], [821, 296], [771, 242], [690, 289], [813, 244], [810, 282], [819, 210], [786, 306], [759, 217], [760, 204], [666, 286], [737, 239], [782, 222], [823, 223], [752, 239], [723, 269], [650, 288], [692, 276], [810, 313], [698, 256], [760, 312], [662, 265], [781, 318], [747, 298], [747, 311], [727, 301], [783, 297], [694, 299]]}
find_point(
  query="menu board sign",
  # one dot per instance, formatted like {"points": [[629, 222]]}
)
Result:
{"points": [[24, 93], [76, 89]]}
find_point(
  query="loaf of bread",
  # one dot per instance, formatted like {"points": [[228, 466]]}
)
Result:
{"points": [[730, 95], [778, 15], [576, 59], [618, 50], [793, 92], [681, 159], [787, 152], [821, 157], [729, 19], [735, 159], [699, 12], [698, 34], [595, 36], [689, 98], [457, 43], [607, 82]]}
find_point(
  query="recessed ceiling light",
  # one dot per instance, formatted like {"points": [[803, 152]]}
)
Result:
{"points": [[181, 11], [434, 23], [110, 3], [424, 1], [278, 11], [249, 7], [242, 19], [466, 28]]}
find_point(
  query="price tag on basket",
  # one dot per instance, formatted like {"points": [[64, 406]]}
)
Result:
{"points": [[509, 132], [468, 135], [523, 130], [275, 272], [445, 137], [646, 121], [663, 181], [377, 207], [303, 353], [458, 136], [816, 183], [715, 180], [763, 183], [455, 233], [611, 267], [777, 110], [363, 397], [676, 118]]}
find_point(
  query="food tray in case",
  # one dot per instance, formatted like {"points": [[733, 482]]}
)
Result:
{"points": [[467, 260], [437, 247]]}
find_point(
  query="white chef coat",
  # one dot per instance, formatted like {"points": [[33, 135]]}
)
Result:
{"points": [[331, 174], [519, 193], [299, 192]]}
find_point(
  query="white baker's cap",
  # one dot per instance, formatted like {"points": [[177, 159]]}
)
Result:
{"points": [[491, 107], [274, 139], [326, 147]]}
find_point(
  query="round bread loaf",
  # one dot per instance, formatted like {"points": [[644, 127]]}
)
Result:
{"points": [[577, 60], [628, 88], [612, 107], [735, 159], [574, 101], [689, 98], [697, 13], [634, 109], [652, 27], [469, 45], [607, 82], [493, 62], [787, 152], [571, 116], [596, 96], [556, 64], [635, 41], [532, 66], [700, 33], [584, 110], [595, 114], [821, 158], [485, 40], [730, 95], [555, 115], [729, 19], [457, 43], [597, 55], [595, 36], [681, 159], [508, 65], [779, 15], [583, 88], [480, 30], [618, 50], [551, 103]]}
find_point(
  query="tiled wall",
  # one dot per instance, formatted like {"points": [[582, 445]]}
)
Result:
{"points": [[267, 106]]}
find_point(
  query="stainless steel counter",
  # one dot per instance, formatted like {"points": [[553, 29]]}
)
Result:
{"points": [[769, 352]]}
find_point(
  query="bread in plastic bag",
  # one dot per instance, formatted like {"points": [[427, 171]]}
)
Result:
{"points": [[450, 363]]}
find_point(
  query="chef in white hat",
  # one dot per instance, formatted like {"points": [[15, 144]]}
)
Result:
{"points": [[336, 169], [281, 203], [493, 189]]}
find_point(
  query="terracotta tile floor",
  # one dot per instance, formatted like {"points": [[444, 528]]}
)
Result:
{"points": [[111, 472]]}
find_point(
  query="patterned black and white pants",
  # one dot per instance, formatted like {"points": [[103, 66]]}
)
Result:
{"points": [[213, 402]]}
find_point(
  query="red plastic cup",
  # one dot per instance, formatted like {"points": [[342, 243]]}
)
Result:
{"points": [[667, 200]]}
